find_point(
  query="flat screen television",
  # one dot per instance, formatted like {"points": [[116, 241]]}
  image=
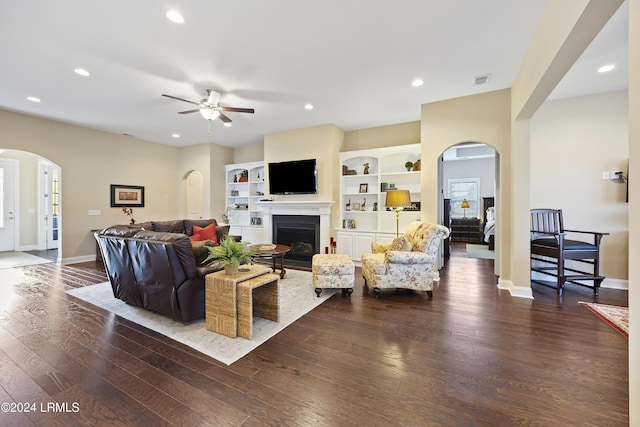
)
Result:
{"points": [[293, 177]]}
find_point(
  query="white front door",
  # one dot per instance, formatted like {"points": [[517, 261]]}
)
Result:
{"points": [[8, 169]]}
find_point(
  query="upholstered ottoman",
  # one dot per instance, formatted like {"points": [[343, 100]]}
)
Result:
{"points": [[332, 271]]}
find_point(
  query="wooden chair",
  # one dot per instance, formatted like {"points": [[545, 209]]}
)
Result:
{"points": [[551, 249]]}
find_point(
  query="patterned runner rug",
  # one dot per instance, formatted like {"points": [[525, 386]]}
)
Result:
{"points": [[617, 317]]}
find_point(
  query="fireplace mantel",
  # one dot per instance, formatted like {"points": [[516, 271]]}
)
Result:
{"points": [[302, 207]]}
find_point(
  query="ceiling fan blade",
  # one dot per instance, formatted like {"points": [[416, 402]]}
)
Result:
{"points": [[238, 110], [189, 111], [224, 118], [180, 99]]}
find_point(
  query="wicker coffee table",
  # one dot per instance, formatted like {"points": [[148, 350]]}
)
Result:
{"points": [[231, 301]]}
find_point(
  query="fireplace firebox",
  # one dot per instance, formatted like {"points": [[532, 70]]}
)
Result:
{"points": [[301, 233]]}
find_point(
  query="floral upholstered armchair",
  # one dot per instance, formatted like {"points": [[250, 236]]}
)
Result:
{"points": [[408, 262]]}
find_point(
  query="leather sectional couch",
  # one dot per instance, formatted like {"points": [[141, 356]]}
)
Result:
{"points": [[154, 265]]}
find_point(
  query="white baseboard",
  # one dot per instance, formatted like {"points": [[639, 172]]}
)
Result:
{"points": [[606, 283], [27, 248], [515, 291], [615, 284], [77, 259]]}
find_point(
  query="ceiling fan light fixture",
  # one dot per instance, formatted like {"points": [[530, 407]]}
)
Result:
{"points": [[214, 97], [209, 114]]}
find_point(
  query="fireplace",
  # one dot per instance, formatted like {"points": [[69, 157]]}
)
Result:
{"points": [[301, 233]]}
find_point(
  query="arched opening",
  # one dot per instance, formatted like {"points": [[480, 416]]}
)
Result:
{"points": [[468, 186], [30, 207], [193, 194]]}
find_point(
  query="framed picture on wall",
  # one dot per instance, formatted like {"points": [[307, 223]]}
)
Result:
{"points": [[127, 195]]}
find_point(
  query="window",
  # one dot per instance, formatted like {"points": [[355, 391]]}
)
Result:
{"points": [[461, 189]]}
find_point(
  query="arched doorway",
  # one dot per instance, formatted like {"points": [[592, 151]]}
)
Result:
{"points": [[193, 191], [468, 186], [31, 198]]}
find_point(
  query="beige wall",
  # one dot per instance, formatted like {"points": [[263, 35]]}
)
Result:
{"points": [[382, 136], [249, 153], [634, 214], [209, 160], [481, 118], [91, 161], [572, 142], [319, 142]]}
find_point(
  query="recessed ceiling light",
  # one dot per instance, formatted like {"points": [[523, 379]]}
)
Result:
{"points": [[175, 135], [81, 72], [228, 125], [308, 107], [175, 17], [606, 68], [33, 99], [417, 83]]}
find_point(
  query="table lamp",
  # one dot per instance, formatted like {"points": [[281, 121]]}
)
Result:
{"points": [[396, 200], [465, 205]]}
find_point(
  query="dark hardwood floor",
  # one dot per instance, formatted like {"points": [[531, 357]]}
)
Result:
{"points": [[471, 356]]}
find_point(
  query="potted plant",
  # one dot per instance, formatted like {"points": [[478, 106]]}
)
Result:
{"points": [[408, 165], [232, 254]]}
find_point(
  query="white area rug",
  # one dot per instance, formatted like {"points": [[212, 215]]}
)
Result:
{"points": [[480, 251], [19, 259], [297, 297]]}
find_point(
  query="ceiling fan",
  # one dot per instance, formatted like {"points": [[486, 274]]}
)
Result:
{"points": [[210, 107]]}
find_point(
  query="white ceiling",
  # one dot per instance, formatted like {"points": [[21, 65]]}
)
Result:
{"points": [[354, 60]]}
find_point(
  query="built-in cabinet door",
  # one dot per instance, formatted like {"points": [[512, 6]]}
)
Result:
{"points": [[234, 230], [344, 243], [363, 243], [253, 235], [354, 244], [385, 238]]}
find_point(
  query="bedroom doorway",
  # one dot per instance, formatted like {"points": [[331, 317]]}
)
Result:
{"points": [[468, 185]]}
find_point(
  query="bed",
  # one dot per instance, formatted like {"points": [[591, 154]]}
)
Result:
{"points": [[489, 229]]}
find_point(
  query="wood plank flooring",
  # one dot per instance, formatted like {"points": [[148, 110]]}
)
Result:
{"points": [[471, 356]]}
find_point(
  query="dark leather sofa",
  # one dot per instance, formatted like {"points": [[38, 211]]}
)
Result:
{"points": [[153, 265]]}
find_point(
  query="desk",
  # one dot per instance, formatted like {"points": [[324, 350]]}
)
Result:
{"points": [[231, 300]]}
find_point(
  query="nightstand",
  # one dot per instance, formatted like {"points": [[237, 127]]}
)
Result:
{"points": [[466, 230]]}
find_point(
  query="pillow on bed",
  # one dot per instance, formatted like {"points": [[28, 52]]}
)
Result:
{"points": [[491, 213]]}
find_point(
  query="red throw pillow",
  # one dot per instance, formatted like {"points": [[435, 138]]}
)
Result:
{"points": [[206, 233]]}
